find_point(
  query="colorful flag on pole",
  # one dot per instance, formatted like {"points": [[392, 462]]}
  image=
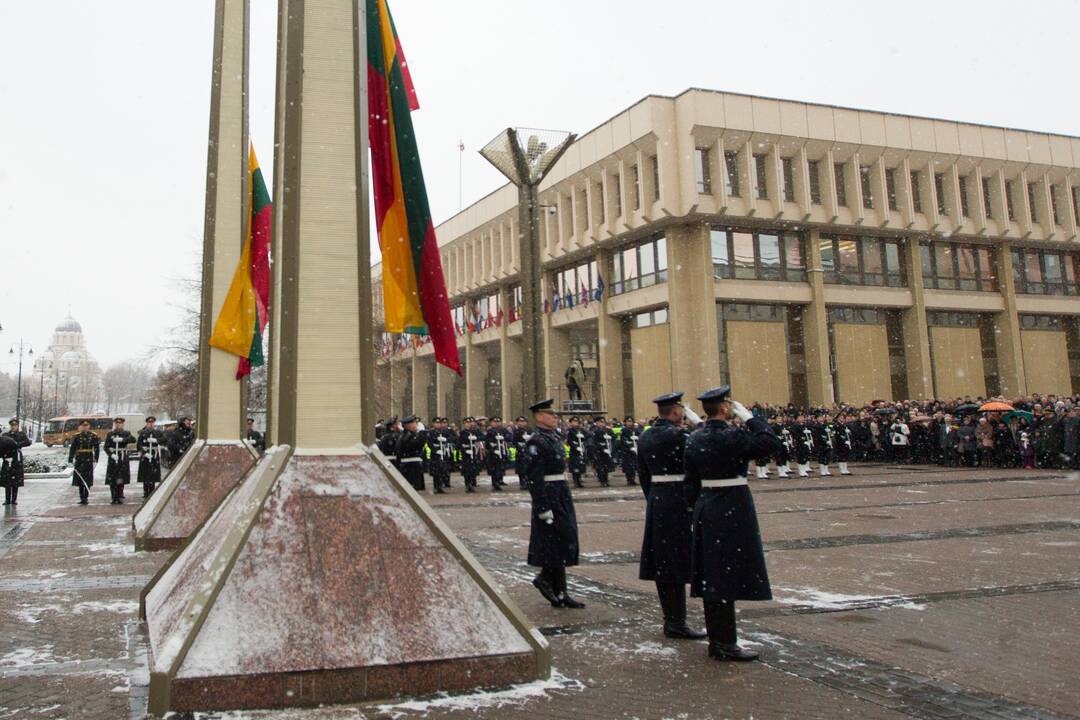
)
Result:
{"points": [[599, 287], [414, 289], [240, 324]]}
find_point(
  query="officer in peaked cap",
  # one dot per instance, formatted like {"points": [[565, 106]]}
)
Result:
{"points": [[665, 549], [410, 452], [727, 561], [441, 440], [388, 441], [553, 538], [471, 445]]}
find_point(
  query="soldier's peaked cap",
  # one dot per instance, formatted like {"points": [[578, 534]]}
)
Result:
{"points": [[151, 419], [411, 418], [470, 418], [668, 398], [542, 405], [391, 421], [519, 418], [119, 420], [721, 393]]}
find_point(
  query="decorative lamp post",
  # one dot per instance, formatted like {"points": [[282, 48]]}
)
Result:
{"points": [[525, 156], [18, 389]]}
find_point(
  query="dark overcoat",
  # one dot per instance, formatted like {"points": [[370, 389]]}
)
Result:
{"points": [[727, 561], [665, 548], [83, 454], [12, 474], [118, 471], [576, 439], [552, 544], [151, 444]]}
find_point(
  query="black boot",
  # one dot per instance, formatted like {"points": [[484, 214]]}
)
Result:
{"points": [[723, 641], [15, 495], [559, 584], [7, 495], [673, 603], [577, 480], [542, 582]]}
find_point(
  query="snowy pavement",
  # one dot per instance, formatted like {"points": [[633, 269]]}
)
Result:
{"points": [[898, 593]]}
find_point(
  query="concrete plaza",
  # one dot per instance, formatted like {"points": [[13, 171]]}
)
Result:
{"points": [[900, 592]]}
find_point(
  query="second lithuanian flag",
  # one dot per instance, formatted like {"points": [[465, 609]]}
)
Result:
{"points": [[414, 290]]}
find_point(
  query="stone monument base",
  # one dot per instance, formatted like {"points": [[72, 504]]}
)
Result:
{"points": [[190, 493], [326, 579]]}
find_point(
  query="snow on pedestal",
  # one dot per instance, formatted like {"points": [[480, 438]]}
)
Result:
{"points": [[327, 579], [190, 493]]}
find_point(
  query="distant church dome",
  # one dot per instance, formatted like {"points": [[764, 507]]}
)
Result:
{"points": [[69, 324]]}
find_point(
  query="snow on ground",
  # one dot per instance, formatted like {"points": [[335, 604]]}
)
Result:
{"points": [[515, 695], [125, 607], [824, 600], [27, 656]]}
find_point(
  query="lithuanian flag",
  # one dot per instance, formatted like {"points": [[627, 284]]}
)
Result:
{"points": [[414, 290], [243, 317]]}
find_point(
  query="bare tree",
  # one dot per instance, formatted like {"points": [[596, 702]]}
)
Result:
{"points": [[173, 389], [125, 385]]}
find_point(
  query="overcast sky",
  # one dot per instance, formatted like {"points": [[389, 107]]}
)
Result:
{"points": [[104, 110]]}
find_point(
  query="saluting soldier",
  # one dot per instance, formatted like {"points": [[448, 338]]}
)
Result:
{"points": [[576, 439], [553, 537], [603, 449], [118, 470], [628, 443], [387, 442], [728, 561], [522, 433], [151, 444], [83, 455], [497, 443], [12, 473], [410, 452], [441, 440], [471, 442], [256, 438], [665, 549]]}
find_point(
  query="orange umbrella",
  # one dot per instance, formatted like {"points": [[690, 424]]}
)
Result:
{"points": [[996, 406]]}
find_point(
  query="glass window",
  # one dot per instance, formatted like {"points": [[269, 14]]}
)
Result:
{"points": [[743, 246], [916, 192], [815, 181], [848, 251], [828, 258], [1033, 270], [1009, 200], [1052, 273], [635, 174], [867, 187], [647, 263], [731, 162], [789, 179], [769, 256], [926, 259], [701, 167], [966, 269], [1054, 204], [793, 251], [988, 206], [987, 274], [872, 265], [841, 188], [760, 176], [721, 262], [890, 187], [894, 265], [939, 192], [943, 263], [965, 210], [661, 256], [616, 195], [660, 316], [1032, 205], [1018, 270]]}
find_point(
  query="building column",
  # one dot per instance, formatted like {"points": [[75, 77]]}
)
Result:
{"points": [[920, 378], [819, 384], [422, 379], [1010, 355], [475, 378], [383, 397], [609, 340], [444, 384], [398, 365], [695, 361]]}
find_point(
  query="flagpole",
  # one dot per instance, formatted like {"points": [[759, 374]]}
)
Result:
{"points": [[363, 225]]}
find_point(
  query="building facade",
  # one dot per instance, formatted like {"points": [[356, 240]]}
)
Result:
{"points": [[803, 253]]}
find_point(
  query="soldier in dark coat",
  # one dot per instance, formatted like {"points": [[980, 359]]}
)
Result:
{"points": [[823, 442], [522, 433], [728, 561], [442, 441], [471, 443], [578, 442], [628, 449], [83, 455], [180, 440], [387, 442], [9, 451], [804, 444], [666, 546], [12, 474], [782, 428], [118, 470], [603, 450], [553, 538], [256, 438], [410, 452], [151, 444], [843, 444], [497, 442]]}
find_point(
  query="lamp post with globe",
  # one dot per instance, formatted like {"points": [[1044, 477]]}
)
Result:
{"points": [[23, 348]]}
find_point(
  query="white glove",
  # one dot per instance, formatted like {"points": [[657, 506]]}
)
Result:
{"points": [[547, 516], [740, 411], [113, 456], [691, 417]]}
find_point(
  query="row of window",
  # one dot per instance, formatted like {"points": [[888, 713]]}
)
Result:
{"points": [[640, 266], [747, 255], [730, 168], [956, 266], [846, 260], [1045, 272], [613, 193]]}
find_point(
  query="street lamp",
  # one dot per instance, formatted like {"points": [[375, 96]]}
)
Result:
{"points": [[525, 156], [18, 389], [41, 400]]}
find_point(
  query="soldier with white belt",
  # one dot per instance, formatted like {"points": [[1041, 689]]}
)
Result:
{"points": [[728, 561]]}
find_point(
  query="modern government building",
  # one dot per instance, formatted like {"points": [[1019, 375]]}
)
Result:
{"points": [[802, 253]]}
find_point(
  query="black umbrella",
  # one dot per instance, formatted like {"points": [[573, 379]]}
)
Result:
{"points": [[884, 411], [966, 409]]}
